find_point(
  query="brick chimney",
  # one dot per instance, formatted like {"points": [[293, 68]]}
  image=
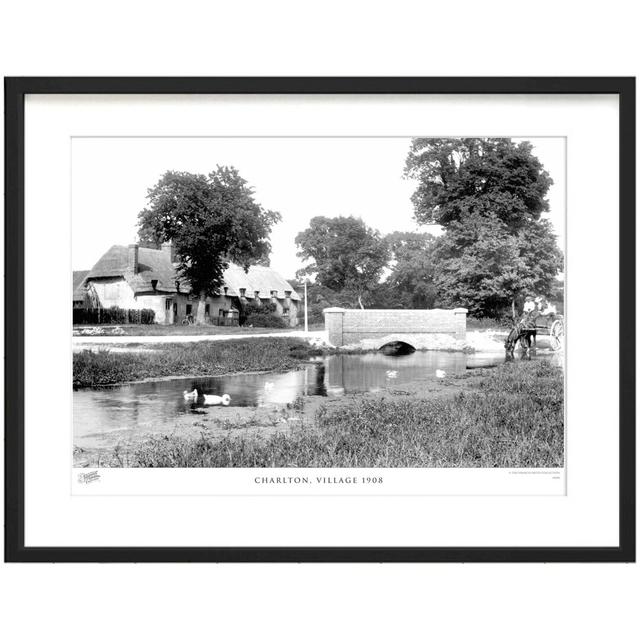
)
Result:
{"points": [[167, 247], [132, 258]]}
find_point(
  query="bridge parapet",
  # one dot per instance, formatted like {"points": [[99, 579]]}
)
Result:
{"points": [[350, 326]]}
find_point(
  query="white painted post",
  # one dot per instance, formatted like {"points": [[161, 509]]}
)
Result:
{"points": [[306, 315]]}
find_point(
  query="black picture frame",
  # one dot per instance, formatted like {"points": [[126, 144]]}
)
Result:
{"points": [[15, 91]]}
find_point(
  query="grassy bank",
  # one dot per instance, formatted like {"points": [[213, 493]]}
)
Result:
{"points": [[510, 416], [99, 368]]}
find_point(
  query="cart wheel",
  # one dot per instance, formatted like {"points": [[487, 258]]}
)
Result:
{"points": [[556, 335]]}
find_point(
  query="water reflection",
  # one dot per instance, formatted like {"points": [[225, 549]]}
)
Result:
{"points": [[375, 371]]}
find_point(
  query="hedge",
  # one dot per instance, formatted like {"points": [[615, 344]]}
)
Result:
{"points": [[114, 315]]}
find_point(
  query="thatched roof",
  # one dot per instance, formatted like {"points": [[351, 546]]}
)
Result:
{"points": [[258, 278], [78, 285], [155, 264]]}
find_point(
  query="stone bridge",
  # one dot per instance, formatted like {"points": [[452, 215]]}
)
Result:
{"points": [[382, 326]]}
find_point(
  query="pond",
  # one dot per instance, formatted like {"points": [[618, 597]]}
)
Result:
{"points": [[102, 417]]}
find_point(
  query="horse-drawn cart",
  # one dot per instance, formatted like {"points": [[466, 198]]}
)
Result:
{"points": [[551, 325]]}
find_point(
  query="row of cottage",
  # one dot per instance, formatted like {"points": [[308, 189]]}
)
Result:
{"points": [[135, 277]]}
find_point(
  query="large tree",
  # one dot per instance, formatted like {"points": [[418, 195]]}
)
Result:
{"points": [[491, 176], [211, 220], [489, 195], [345, 254]]}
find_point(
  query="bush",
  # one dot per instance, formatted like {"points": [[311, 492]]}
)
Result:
{"points": [[270, 322], [262, 315]]}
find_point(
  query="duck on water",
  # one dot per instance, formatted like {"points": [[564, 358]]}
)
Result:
{"points": [[210, 400]]}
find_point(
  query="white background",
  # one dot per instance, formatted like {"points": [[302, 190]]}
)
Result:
{"points": [[192, 38], [586, 516]]}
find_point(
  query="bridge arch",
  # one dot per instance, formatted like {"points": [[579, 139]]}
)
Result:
{"points": [[396, 347]]}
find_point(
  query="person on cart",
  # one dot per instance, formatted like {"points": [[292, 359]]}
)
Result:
{"points": [[545, 308], [530, 312]]}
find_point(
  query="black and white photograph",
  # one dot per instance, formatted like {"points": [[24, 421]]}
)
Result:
{"points": [[318, 302], [320, 320]]}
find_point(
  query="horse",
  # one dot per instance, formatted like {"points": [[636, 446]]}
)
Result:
{"points": [[519, 334]]}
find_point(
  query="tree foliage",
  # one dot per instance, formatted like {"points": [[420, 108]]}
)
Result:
{"points": [[477, 265], [345, 254], [489, 196], [411, 281], [489, 176], [211, 220]]}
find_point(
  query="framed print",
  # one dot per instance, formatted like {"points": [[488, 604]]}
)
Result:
{"points": [[320, 319]]}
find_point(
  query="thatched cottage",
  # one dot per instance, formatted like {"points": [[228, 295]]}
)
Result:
{"points": [[135, 277]]}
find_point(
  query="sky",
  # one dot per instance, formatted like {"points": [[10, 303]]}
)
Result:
{"points": [[298, 177]]}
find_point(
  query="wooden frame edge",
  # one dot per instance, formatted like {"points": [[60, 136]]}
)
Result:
{"points": [[15, 91]]}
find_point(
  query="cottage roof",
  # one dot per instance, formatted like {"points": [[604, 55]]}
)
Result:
{"points": [[264, 280], [155, 264], [78, 285]]}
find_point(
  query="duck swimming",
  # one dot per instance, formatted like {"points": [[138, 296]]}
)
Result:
{"points": [[224, 400], [190, 396]]}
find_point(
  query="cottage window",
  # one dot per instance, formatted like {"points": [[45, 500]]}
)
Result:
{"points": [[167, 304], [189, 309], [243, 292], [207, 309]]}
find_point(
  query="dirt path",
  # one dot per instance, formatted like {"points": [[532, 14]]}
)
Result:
{"points": [[91, 342]]}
